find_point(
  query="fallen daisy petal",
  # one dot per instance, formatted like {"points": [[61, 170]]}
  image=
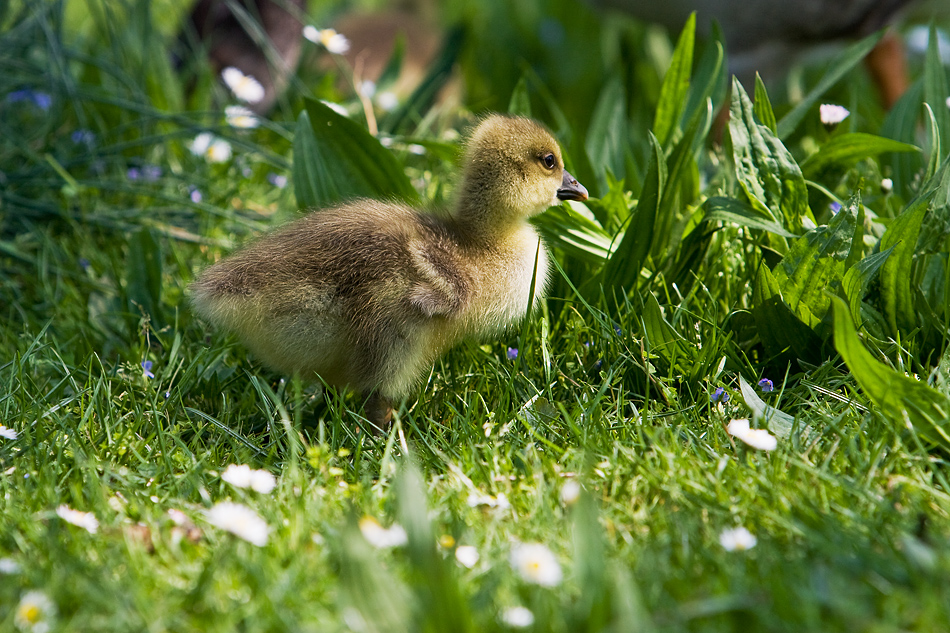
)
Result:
{"points": [[85, 520], [737, 539], [380, 537], [241, 117], [240, 521], [756, 438], [10, 434], [466, 555], [536, 564], [35, 612], [517, 617], [245, 87]]}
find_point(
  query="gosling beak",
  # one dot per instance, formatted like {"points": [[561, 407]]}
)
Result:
{"points": [[571, 189]]}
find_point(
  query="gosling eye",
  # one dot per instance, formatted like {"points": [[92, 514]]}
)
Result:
{"points": [[549, 161]]}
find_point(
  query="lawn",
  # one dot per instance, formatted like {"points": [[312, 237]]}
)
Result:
{"points": [[731, 413]]}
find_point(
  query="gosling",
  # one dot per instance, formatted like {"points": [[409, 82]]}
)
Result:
{"points": [[368, 294]]}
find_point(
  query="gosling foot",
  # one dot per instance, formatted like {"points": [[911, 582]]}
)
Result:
{"points": [[379, 412]]}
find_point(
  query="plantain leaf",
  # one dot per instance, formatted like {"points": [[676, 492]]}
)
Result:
{"points": [[675, 84], [896, 293], [734, 211], [847, 149], [856, 281], [901, 124], [783, 334], [626, 260], [904, 401], [339, 160], [838, 68], [936, 93], [763, 107], [568, 228], [708, 76], [143, 281], [778, 421], [606, 142], [766, 171], [663, 340]]}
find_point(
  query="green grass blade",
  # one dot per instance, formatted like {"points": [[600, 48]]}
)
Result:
{"points": [[606, 142], [675, 84], [936, 93], [842, 152]]}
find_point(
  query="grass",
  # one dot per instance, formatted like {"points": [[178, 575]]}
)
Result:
{"points": [[611, 388]]}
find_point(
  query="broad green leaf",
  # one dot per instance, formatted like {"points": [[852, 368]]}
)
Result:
{"points": [[896, 291], [856, 280], [626, 260], [845, 150], [520, 103], [765, 169], [936, 93], [901, 125], [934, 159], [734, 211], [936, 224], [763, 107], [838, 68], [567, 228], [708, 76], [143, 281], [857, 238], [675, 84], [783, 334], [904, 401], [340, 160], [813, 267], [606, 142]]}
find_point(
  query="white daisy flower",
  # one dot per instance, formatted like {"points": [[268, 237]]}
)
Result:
{"points": [[10, 434], [85, 520], [381, 537], [214, 150], [387, 100], [241, 117], [476, 499], [756, 438], [240, 521], [244, 476], [466, 555], [536, 564], [831, 114], [334, 42], [737, 539], [35, 612], [517, 617], [244, 87], [570, 492]]}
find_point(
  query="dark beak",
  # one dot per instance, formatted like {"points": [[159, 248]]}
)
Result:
{"points": [[571, 189]]}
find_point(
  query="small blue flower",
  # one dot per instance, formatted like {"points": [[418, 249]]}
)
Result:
{"points": [[835, 207], [84, 263], [83, 137], [40, 99], [766, 385], [133, 173], [151, 173], [277, 180], [147, 367], [194, 194], [719, 395], [618, 330], [512, 353]]}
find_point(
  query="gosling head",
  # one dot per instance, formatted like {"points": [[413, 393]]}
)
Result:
{"points": [[513, 169]]}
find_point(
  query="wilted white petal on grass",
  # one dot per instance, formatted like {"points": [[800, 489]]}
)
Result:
{"points": [[240, 521], [466, 555], [243, 476], [35, 612], [756, 438], [536, 564], [85, 520], [381, 537], [517, 617], [8, 566], [737, 539], [832, 114], [10, 434], [245, 87], [241, 117]]}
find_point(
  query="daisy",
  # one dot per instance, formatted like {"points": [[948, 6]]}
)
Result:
{"points": [[831, 115], [244, 476], [35, 612], [85, 520], [476, 499], [334, 42], [241, 117], [756, 438], [517, 617], [381, 537], [737, 539], [8, 566], [244, 87], [10, 434], [215, 150], [570, 492], [466, 555], [536, 564], [240, 521]]}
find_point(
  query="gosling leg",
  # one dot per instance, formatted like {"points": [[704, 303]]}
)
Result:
{"points": [[379, 412]]}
